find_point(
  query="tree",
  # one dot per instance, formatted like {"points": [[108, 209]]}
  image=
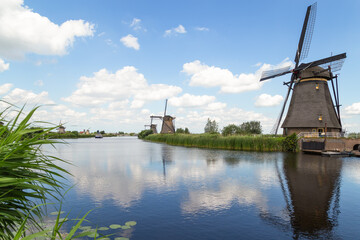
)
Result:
{"points": [[180, 130], [252, 127], [186, 131], [231, 129], [211, 126]]}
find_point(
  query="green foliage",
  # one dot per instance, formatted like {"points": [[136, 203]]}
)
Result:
{"points": [[246, 128], [354, 135], [180, 130], [186, 131], [290, 143], [211, 126], [207, 140], [102, 132], [231, 129], [252, 127], [144, 133], [27, 174]]}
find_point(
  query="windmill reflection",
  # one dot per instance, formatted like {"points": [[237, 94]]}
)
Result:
{"points": [[311, 188], [167, 156]]}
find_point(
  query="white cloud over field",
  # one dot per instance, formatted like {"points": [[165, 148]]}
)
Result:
{"points": [[211, 76], [23, 31], [174, 31], [266, 100], [105, 87], [353, 108]]}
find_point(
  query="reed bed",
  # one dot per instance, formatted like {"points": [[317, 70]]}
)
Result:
{"points": [[258, 143]]}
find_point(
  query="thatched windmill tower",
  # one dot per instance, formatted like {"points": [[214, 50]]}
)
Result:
{"points": [[61, 128], [153, 126], [168, 122], [311, 107]]}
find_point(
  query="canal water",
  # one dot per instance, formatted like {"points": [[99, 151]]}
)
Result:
{"points": [[188, 193]]}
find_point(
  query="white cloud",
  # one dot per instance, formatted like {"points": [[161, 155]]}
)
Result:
{"points": [[188, 100], [3, 66], [24, 31], [130, 41], [5, 88], [202, 29], [211, 76], [110, 43], [105, 87], [266, 100], [20, 97], [174, 31], [136, 25], [353, 108]]}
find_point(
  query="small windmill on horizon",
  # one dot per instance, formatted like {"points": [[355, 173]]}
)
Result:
{"points": [[167, 126]]}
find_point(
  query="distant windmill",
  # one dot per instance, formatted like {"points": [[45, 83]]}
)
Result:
{"points": [[311, 106], [167, 122], [153, 126], [61, 128]]}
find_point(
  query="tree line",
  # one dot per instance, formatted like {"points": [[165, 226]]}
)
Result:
{"points": [[251, 127]]}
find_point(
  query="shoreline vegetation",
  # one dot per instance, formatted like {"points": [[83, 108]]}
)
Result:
{"points": [[259, 143], [29, 177]]}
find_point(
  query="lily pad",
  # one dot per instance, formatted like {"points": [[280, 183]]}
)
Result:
{"points": [[121, 238], [85, 228], [125, 227], [93, 235], [56, 213], [63, 219], [130, 223], [103, 228], [115, 226]]}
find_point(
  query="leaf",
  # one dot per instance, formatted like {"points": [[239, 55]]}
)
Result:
{"points": [[115, 226], [130, 223], [125, 227], [103, 228]]}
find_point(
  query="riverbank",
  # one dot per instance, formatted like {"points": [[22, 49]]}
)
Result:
{"points": [[260, 143]]}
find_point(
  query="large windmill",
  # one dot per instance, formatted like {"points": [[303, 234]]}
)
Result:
{"points": [[167, 122], [311, 107]]}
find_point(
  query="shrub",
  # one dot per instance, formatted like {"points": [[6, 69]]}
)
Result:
{"points": [[144, 133], [290, 143]]}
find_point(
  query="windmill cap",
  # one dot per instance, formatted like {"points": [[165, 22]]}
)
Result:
{"points": [[316, 71]]}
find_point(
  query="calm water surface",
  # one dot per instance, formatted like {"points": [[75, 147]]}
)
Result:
{"points": [[188, 193]]}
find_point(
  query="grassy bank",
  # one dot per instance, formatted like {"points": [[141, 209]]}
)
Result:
{"points": [[259, 143]]}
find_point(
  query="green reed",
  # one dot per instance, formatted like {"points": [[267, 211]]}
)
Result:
{"points": [[259, 143]]}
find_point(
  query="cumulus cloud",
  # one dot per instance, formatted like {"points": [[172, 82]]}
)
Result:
{"points": [[188, 100], [3, 66], [266, 100], [174, 31], [211, 76], [130, 41], [105, 87], [20, 97], [5, 88], [24, 31], [353, 108]]}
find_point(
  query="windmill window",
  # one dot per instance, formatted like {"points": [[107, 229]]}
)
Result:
{"points": [[317, 86], [320, 117]]}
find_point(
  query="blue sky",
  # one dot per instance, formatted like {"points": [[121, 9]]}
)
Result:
{"points": [[109, 65]]}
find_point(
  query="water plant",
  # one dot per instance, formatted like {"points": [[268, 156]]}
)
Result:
{"points": [[27, 175], [237, 142]]}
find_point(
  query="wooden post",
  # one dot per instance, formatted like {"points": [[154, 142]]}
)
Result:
{"points": [[325, 136]]}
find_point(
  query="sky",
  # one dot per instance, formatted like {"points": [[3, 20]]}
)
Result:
{"points": [[109, 65]]}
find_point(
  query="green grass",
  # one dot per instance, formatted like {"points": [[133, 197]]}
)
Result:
{"points": [[27, 175], [259, 143]]}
